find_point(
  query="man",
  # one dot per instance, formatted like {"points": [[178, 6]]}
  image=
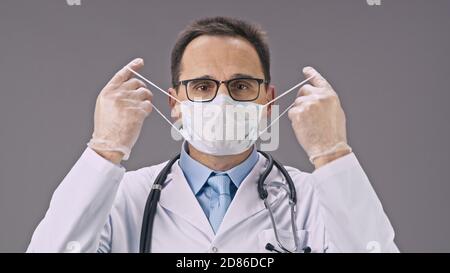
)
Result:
{"points": [[209, 201]]}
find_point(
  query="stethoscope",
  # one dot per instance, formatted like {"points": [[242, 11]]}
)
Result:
{"points": [[155, 193]]}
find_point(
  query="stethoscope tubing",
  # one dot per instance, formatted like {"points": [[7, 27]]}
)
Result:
{"points": [[155, 193]]}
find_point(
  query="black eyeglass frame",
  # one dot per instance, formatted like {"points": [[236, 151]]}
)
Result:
{"points": [[219, 83]]}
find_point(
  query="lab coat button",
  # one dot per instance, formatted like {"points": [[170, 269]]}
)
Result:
{"points": [[214, 249]]}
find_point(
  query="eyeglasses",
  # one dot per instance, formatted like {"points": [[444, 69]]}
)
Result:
{"points": [[205, 90]]}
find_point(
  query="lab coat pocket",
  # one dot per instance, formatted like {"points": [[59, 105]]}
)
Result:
{"points": [[286, 238]]}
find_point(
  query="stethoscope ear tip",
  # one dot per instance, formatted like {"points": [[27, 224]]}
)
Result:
{"points": [[270, 247]]}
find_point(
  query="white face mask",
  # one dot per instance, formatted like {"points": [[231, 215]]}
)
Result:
{"points": [[222, 126]]}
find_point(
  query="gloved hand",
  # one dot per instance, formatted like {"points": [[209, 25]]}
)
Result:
{"points": [[318, 119], [120, 111]]}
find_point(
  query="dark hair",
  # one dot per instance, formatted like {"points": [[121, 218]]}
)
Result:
{"points": [[220, 26]]}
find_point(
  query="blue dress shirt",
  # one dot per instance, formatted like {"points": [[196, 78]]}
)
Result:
{"points": [[197, 175]]}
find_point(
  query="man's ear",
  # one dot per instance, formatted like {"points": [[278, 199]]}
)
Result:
{"points": [[270, 95], [174, 107], [171, 101]]}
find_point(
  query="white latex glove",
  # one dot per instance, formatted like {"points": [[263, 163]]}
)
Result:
{"points": [[120, 111], [318, 119]]}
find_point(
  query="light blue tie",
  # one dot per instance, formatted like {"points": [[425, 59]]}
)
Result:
{"points": [[220, 198]]}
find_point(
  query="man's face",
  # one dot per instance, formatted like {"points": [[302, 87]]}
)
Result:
{"points": [[221, 58]]}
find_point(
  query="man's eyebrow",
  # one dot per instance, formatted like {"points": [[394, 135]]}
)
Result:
{"points": [[204, 77], [241, 75], [234, 76]]}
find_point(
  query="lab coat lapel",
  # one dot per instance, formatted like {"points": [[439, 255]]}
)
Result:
{"points": [[177, 197], [246, 202]]}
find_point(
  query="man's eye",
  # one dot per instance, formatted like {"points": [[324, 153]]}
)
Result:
{"points": [[202, 88], [242, 86]]}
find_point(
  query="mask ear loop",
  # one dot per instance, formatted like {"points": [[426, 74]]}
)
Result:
{"points": [[260, 133], [162, 90], [150, 82], [290, 90], [289, 107]]}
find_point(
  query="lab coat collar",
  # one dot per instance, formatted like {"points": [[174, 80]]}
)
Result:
{"points": [[246, 202], [178, 197]]}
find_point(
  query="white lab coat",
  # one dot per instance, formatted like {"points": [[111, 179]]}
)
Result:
{"points": [[98, 207]]}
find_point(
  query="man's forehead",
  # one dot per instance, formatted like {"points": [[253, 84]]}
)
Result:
{"points": [[220, 56]]}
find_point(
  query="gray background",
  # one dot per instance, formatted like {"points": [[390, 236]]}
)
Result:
{"points": [[389, 64]]}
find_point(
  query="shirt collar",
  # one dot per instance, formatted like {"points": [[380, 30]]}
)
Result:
{"points": [[197, 174]]}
